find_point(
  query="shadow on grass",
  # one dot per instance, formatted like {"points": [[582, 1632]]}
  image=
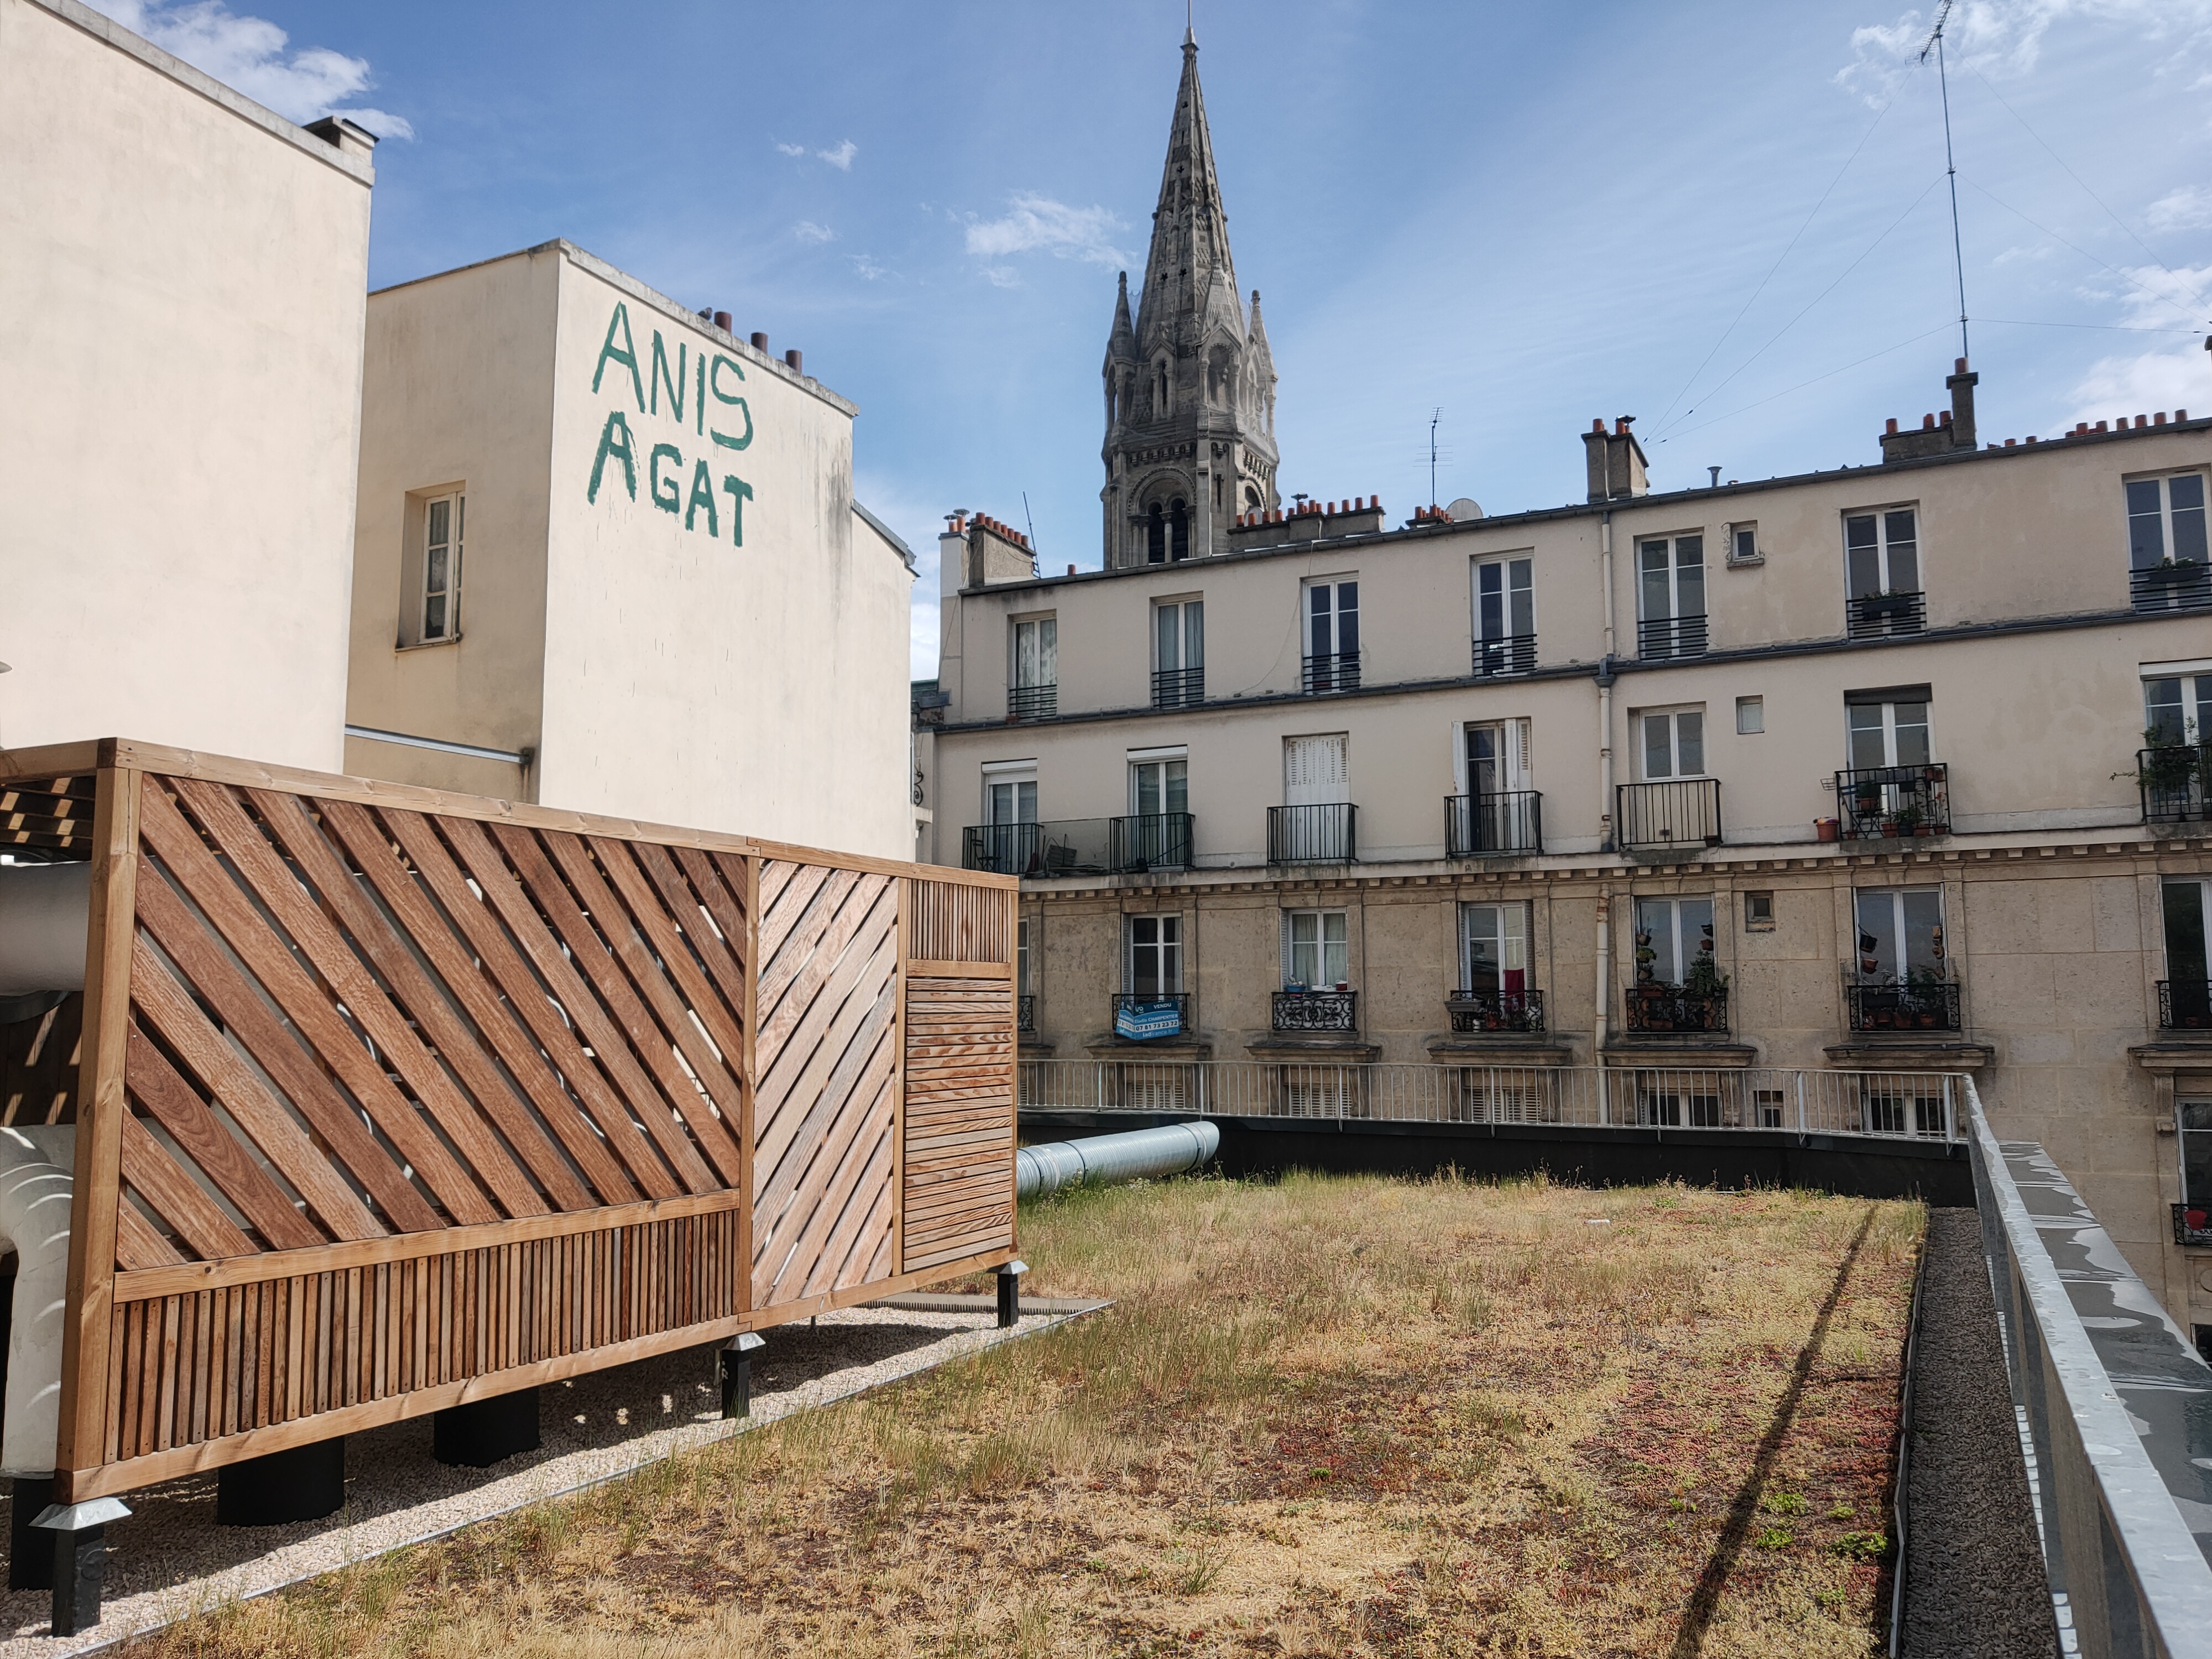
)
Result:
{"points": [[1705, 1600]]}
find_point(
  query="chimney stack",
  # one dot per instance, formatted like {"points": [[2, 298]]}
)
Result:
{"points": [[1616, 461], [1938, 434]]}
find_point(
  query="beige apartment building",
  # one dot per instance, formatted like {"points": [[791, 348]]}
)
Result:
{"points": [[608, 558], [183, 274]]}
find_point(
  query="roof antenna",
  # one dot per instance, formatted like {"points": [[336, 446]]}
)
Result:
{"points": [[1433, 419], [1031, 523], [1935, 44]]}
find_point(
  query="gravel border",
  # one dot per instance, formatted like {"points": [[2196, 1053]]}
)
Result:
{"points": [[170, 1560]]}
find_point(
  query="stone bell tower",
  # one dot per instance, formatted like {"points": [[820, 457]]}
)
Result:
{"points": [[1190, 385]]}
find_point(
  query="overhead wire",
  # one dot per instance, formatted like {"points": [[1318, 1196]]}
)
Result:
{"points": [[1947, 323], [2163, 299]]}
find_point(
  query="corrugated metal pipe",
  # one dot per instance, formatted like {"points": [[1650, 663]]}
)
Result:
{"points": [[1101, 1160]]}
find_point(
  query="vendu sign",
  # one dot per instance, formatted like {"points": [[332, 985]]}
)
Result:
{"points": [[698, 377], [1138, 1020]]}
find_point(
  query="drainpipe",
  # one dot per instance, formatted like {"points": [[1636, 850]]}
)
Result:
{"points": [[1601, 1027], [1605, 685]]}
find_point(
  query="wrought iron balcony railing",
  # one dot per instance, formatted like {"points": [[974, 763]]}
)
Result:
{"points": [[1312, 834], [1876, 615], [1678, 812], [2184, 586], [1081, 847], [1149, 1015], [2172, 779], [1032, 702], [1025, 1013], [1337, 672], [1318, 1010], [1008, 849], [1671, 636], [2185, 1004], [1913, 1006], [2192, 1226], [1151, 840], [1886, 803], [1477, 826], [1513, 654], [1178, 688], [1676, 1010], [1475, 1012]]}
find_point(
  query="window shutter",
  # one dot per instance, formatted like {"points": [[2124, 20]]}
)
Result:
{"points": [[1284, 932]]}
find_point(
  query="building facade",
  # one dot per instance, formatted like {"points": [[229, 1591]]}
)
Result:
{"points": [[185, 274], [608, 558], [1897, 766]]}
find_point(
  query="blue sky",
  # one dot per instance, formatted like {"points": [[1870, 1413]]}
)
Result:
{"points": [[1729, 220]]}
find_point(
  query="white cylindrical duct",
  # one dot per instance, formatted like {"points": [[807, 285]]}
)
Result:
{"points": [[36, 1162], [44, 917], [1103, 1159]]}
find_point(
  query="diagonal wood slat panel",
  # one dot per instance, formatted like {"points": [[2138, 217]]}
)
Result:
{"points": [[956, 1189], [825, 1105]]}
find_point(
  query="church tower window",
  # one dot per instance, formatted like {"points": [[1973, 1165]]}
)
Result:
{"points": [[1178, 529], [1155, 536]]}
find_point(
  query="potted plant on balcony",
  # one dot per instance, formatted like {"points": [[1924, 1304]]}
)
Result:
{"points": [[1928, 986], [1909, 820]]}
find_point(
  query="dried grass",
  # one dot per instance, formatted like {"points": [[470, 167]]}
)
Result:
{"points": [[1328, 1416]]}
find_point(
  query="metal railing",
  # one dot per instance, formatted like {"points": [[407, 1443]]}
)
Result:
{"points": [[2185, 1004], [1509, 653], [1909, 1006], [2186, 585], [1178, 688], [1335, 672], [1008, 849], [1660, 1010], [1680, 813], [1151, 840], [1312, 834], [1025, 1013], [1134, 1002], [1479, 825], [1889, 803], [1472, 1012], [2111, 1402], [2192, 1226], [1671, 636], [1032, 702], [1876, 615], [1316, 1010], [1081, 847], [2172, 779], [1921, 1106]]}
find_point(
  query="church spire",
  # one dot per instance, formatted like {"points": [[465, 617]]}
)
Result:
{"points": [[1190, 392]]}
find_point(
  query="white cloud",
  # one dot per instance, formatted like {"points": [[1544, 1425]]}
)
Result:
{"points": [[2187, 208], [1038, 223], [807, 231], [841, 157], [2120, 388], [868, 269], [791, 149], [2159, 298], [2000, 38], [1002, 276], [248, 54]]}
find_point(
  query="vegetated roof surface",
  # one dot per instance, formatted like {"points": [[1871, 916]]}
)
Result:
{"points": [[1327, 1415]]}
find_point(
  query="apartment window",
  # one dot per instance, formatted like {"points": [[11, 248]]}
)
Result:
{"points": [[2176, 699], [1674, 742], [2166, 520], [1900, 934], [1315, 823], [2196, 1121], [1008, 839], [1315, 956], [1671, 597], [1674, 940], [1750, 716], [1010, 797], [1036, 679], [2188, 993], [1159, 782], [1882, 569], [1505, 616], [1493, 947], [1743, 544], [1154, 965], [1759, 911], [430, 569], [1178, 652], [1332, 660], [1888, 726]]}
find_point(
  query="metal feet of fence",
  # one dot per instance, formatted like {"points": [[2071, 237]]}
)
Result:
{"points": [[79, 1531], [478, 1433], [1010, 1294], [301, 1483], [736, 1364]]}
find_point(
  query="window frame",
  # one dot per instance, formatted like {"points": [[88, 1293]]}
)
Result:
{"points": [[1142, 760], [2168, 553], [1880, 517], [1338, 611], [1183, 606], [1520, 561], [1513, 759], [1672, 904], [1511, 942], [1320, 946], [1886, 699], [1898, 899], [1002, 774], [1673, 543], [415, 595], [1671, 713], [2193, 679], [1164, 949], [1046, 624]]}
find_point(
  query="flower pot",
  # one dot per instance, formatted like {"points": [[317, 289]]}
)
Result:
{"points": [[1826, 829], [1923, 828]]}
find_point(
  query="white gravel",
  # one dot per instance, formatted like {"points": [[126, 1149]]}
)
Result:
{"points": [[170, 1560]]}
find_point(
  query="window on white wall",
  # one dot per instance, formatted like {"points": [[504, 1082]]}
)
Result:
{"points": [[2166, 520], [1316, 953], [2177, 703], [430, 569], [1674, 742]]}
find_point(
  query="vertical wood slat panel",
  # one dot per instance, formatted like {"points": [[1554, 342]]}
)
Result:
{"points": [[957, 1178]]}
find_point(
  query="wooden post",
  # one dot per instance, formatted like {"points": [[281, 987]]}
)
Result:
{"points": [[81, 1438], [749, 1080], [898, 1073]]}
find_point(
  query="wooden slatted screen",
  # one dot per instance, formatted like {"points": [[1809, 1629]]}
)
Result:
{"points": [[53, 814], [39, 1064]]}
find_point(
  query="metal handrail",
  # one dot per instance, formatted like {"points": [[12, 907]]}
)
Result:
{"points": [[1677, 812], [1508, 822], [1178, 688], [2185, 1004], [1671, 636], [2172, 779], [1335, 671], [1888, 803], [1327, 834], [2185, 584], [1033, 703], [1656, 1009], [1152, 841], [1506, 654], [1026, 1012], [1902, 1006], [1874, 616], [1316, 1010], [1495, 1011]]}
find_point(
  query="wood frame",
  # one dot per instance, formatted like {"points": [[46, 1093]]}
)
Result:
{"points": [[223, 1306]]}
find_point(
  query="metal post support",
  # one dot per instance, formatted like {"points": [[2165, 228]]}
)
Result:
{"points": [[736, 1364], [30, 1552], [1010, 1294], [80, 1570]]}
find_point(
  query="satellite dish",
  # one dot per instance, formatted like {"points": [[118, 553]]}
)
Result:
{"points": [[1463, 509]]}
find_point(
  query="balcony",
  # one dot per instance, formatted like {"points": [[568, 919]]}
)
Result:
{"points": [[2192, 1227], [1337, 672], [1913, 1006], [1671, 636], [2185, 585], [1025, 1014], [1879, 616], [1316, 1010], [1892, 803], [1081, 847], [1680, 812], [1514, 653], [2172, 778], [1178, 688], [2185, 1004], [1676, 1011], [1474, 1013], [1032, 702], [1486, 826], [1312, 834], [1149, 1017]]}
